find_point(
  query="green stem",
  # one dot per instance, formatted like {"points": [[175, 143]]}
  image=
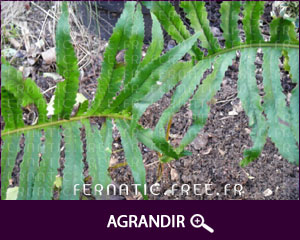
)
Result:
{"points": [[59, 122], [112, 115], [259, 45]]}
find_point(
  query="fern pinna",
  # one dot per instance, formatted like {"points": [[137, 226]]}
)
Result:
{"points": [[125, 91]]}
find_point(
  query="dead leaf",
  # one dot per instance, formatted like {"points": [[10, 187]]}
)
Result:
{"points": [[49, 56]]}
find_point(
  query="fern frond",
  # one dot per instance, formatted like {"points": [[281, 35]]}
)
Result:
{"points": [[47, 172], [249, 96], [30, 164], [149, 75], [65, 93], [180, 97], [145, 136], [197, 14], [283, 31], [252, 13], [167, 82], [9, 153], [99, 149], [116, 82], [294, 101], [133, 154], [108, 66], [277, 113], [206, 91], [229, 23], [25, 91], [170, 20], [73, 171], [83, 107], [145, 81], [12, 80], [11, 110], [134, 45], [156, 45]]}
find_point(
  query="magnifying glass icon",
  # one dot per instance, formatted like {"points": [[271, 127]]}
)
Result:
{"points": [[197, 221]]}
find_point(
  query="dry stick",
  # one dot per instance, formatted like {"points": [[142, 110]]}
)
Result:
{"points": [[161, 165], [168, 129], [43, 29], [43, 10], [153, 163], [49, 89], [118, 165]]}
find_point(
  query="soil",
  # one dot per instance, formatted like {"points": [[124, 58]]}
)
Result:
{"points": [[219, 146]]}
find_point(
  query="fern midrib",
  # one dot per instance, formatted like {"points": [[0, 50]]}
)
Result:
{"points": [[59, 122], [254, 45], [115, 115]]}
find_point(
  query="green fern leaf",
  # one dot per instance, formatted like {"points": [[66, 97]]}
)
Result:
{"points": [[252, 13], [294, 101], [172, 23], [99, 152], [25, 91], [12, 80], [116, 40], [180, 97], [65, 93], [35, 96], [30, 164], [249, 96], [156, 45], [278, 117], [206, 91], [134, 45], [167, 82], [145, 136], [8, 159], [146, 81], [197, 14], [229, 23], [83, 107], [114, 87], [73, 171], [283, 31], [47, 172], [149, 75], [10, 110], [133, 154]]}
